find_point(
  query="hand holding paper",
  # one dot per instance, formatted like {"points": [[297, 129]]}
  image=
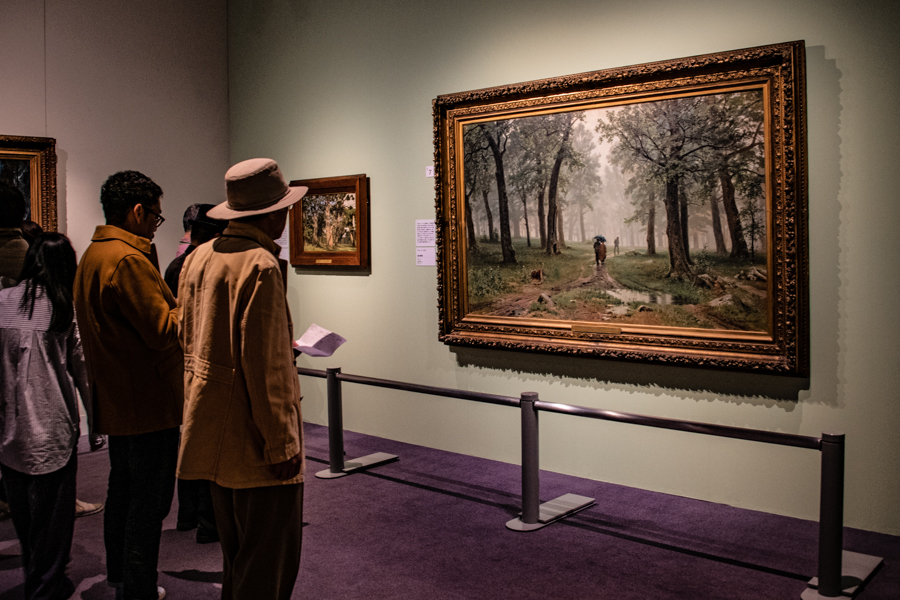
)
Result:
{"points": [[318, 341]]}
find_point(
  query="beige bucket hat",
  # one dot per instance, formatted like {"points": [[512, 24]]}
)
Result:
{"points": [[255, 187]]}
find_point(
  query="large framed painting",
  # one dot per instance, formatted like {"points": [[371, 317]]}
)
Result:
{"points": [[29, 164], [655, 213], [330, 224]]}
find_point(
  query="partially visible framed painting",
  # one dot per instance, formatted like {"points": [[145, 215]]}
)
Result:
{"points": [[330, 224], [29, 164], [655, 213]]}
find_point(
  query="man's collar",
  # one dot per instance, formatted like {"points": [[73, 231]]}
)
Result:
{"points": [[236, 228], [111, 232]]}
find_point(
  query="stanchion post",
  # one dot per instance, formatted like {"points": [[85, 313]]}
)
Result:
{"points": [[530, 459], [534, 514], [337, 466], [831, 515], [335, 421]]}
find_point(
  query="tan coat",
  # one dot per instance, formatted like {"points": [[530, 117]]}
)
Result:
{"points": [[242, 393], [129, 331]]}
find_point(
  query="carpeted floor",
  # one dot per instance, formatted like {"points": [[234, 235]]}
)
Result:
{"points": [[431, 527]]}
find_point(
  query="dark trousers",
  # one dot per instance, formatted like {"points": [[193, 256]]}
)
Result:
{"points": [[141, 488], [43, 515], [261, 532], [195, 507]]}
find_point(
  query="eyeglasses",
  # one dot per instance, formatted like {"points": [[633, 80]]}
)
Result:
{"points": [[159, 218]]}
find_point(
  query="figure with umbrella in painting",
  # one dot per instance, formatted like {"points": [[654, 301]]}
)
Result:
{"points": [[599, 249]]}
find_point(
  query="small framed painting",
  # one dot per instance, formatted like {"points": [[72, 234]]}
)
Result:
{"points": [[330, 224]]}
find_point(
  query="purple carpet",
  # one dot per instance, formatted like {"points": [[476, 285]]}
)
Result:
{"points": [[431, 526]]}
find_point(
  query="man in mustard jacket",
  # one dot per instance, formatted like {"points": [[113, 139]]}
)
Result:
{"points": [[129, 331], [242, 424]]}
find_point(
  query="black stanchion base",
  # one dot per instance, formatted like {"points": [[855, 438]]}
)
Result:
{"points": [[552, 511], [856, 569], [358, 464]]}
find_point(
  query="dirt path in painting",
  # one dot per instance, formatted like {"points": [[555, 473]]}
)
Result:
{"points": [[599, 279], [703, 316], [519, 305], [540, 300]]}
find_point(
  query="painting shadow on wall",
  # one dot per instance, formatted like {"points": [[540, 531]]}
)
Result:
{"points": [[827, 248], [744, 385]]}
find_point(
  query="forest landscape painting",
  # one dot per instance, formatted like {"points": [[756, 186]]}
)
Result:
{"points": [[671, 192], [330, 225], [663, 220]]}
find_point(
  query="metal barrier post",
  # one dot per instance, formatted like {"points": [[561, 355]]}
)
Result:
{"points": [[335, 421], [831, 515], [335, 426], [841, 573], [534, 514], [531, 484], [337, 467]]}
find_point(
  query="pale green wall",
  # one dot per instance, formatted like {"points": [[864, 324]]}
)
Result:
{"points": [[337, 88]]}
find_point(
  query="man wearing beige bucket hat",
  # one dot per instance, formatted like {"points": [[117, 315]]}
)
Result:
{"points": [[242, 425]]}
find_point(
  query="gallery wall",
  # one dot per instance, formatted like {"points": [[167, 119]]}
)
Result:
{"points": [[120, 85], [339, 88]]}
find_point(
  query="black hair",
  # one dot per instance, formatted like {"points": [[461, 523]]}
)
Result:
{"points": [[12, 206], [190, 213], [122, 191], [50, 264], [203, 227], [203, 232], [31, 231]]}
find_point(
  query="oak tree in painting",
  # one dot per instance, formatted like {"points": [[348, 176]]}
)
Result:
{"points": [[328, 223]]}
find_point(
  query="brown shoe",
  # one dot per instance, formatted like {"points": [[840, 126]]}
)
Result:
{"points": [[85, 509], [4, 510]]}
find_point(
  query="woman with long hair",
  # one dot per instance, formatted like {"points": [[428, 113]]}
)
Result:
{"points": [[41, 367]]}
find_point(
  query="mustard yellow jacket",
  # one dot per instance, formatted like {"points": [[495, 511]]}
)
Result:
{"points": [[129, 331], [242, 393]]}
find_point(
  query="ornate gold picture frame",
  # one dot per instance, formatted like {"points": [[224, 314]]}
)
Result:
{"points": [[29, 164], [655, 213]]}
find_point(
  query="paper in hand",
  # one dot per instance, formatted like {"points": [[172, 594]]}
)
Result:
{"points": [[318, 341]]}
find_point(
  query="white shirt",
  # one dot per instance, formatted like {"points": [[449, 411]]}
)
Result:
{"points": [[39, 373]]}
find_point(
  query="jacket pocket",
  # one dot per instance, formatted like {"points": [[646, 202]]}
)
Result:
{"points": [[209, 371], [254, 448]]}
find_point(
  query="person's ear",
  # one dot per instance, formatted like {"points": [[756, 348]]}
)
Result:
{"points": [[133, 215]]}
